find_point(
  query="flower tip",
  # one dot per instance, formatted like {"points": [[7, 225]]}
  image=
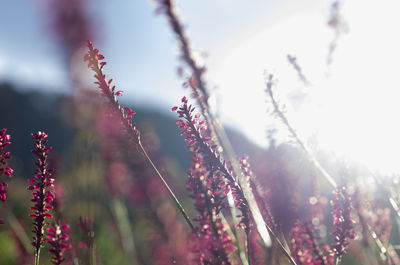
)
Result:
{"points": [[174, 109]]}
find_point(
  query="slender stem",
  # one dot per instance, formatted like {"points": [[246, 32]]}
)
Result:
{"points": [[171, 193], [19, 232], [92, 253], [248, 246], [297, 139], [285, 251], [37, 256]]}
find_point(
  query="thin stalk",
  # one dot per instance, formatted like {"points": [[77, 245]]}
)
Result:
{"points": [[248, 246], [92, 253], [37, 256], [19, 232], [293, 133], [171, 193], [284, 250], [121, 217]]}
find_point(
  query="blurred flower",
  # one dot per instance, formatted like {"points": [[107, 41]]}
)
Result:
{"points": [[342, 221], [57, 237], [306, 246]]}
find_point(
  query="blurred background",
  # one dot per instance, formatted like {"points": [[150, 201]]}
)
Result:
{"points": [[40, 47], [342, 102]]}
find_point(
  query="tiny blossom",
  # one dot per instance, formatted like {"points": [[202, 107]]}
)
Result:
{"points": [[342, 221], [4, 156], [40, 184], [58, 238]]}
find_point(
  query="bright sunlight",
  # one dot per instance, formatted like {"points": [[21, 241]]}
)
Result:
{"points": [[350, 107]]}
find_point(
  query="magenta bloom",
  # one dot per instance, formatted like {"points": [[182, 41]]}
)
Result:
{"points": [[58, 238], [96, 62], [40, 184], [206, 182], [306, 246], [4, 156], [344, 225]]}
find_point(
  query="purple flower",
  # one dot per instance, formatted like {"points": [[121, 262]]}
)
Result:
{"points": [[208, 188], [198, 139], [306, 246], [40, 184], [342, 221], [58, 237], [4, 156], [124, 115]]}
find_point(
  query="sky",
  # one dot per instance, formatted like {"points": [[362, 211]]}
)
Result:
{"points": [[350, 107]]}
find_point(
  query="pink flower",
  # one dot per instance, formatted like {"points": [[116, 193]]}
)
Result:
{"points": [[342, 221], [40, 184], [4, 156], [124, 115], [58, 238], [306, 246]]}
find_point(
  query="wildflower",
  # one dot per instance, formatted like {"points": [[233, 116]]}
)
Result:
{"points": [[208, 188], [85, 225], [40, 184], [342, 221], [306, 247], [4, 156], [198, 139], [57, 237], [96, 63]]}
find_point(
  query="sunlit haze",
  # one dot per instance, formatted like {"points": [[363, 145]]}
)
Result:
{"points": [[350, 108]]}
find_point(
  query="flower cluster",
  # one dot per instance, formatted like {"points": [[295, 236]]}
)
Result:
{"points": [[198, 139], [208, 189], [96, 63], [306, 247], [40, 184], [4, 156], [342, 221], [85, 225], [58, 237]]}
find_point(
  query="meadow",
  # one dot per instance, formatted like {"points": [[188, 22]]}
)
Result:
{"points": [[88, 178]]}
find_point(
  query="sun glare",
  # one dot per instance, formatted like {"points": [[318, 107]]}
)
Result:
{"points": [[351, 107]]}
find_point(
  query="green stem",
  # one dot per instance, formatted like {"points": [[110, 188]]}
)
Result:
{"points": [[248, 246], [92, 253], [37, 255], [171, 193], [338, 260]]}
